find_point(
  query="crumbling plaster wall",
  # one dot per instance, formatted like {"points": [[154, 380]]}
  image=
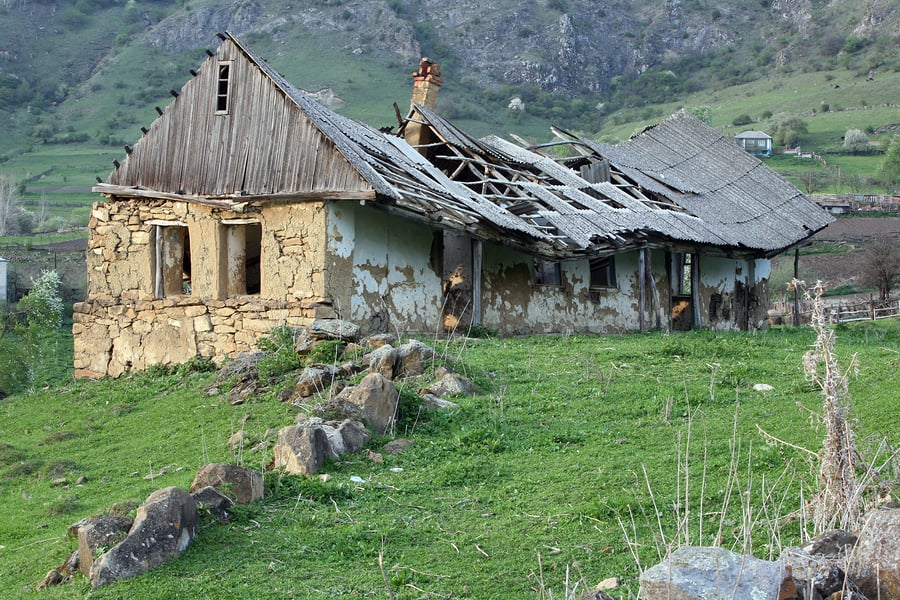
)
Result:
{"points": [[721, 276], [122, 326], [513, 304], [384, 272]]}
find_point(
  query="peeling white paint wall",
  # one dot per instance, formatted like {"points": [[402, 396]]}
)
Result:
{"points": [[396, 284]]}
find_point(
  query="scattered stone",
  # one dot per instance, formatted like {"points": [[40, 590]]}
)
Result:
{"points": [[336, 410], [151, 476], [432, 402], [374, 456], [373, 342], [25, 495], [217, 504], [99, 532], [303, 341], [334, 329], [836, 543], [163, 528], [53, 577], [595, 595], [384, 361], [315, 379], [397, 446], [609, 583], [875, 560], [300, 450], [378, 399], [693, 572], [239, 439], [59, 481], [81, 480], [763, 387], [354, 434], [240, 484], [414, 357], [449, 385]]}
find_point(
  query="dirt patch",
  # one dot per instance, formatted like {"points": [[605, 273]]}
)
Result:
{"points": [[838, 269]]}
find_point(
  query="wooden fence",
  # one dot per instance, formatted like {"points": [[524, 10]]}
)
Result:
{"points": [[869, 310]]}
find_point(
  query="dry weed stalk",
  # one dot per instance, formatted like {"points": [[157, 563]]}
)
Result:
{"points": [[838, 502]]}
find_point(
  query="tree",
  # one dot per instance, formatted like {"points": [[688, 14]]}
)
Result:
{"points": [[788, 132], [889, 172], [856, 140], [10, 199], [882, 266], [25, 333]]}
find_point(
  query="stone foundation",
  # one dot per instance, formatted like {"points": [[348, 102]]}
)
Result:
{"points": [[113, 336]]}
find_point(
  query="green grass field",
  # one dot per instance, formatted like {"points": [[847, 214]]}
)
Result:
{"points": [[493, 500]]}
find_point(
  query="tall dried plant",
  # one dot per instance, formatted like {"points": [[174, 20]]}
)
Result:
{"points": [[837, 503]]}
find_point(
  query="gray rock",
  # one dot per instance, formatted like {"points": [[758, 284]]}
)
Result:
{"points": [[334, 329], [315, 379], [451, 384], [378, 399], [301, 450], [378, 340], [395, 447], [163, 528], [432, 402], [96, 533], [240, 484], [384, 361], [705, 573], [875, 561], [355, 435], [217, 504], [414, 358]]}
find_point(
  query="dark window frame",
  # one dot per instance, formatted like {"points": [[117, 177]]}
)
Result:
{"points": [[602, 272]]}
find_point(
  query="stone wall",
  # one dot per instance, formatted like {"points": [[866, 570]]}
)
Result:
{"points": [[124, 325], [114, 336]]}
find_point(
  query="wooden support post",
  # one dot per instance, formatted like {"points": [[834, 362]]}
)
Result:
{"points": [[795, 317], [476, 281], [642, 288], [695, 291]]}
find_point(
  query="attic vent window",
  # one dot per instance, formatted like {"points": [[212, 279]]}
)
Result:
{"points": [[222, 85]]}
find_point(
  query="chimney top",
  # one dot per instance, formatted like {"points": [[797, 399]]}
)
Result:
{"points": [[429, 71]]}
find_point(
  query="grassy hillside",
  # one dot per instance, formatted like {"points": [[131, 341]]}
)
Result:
{"points": [[493, 500]]}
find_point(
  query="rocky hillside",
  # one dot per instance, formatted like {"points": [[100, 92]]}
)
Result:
{"points": [[610, 54]]}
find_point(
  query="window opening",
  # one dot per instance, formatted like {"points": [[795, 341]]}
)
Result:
{"points": [[243, 253], [603, 272], [683, 273], [547, 272], [222, 85], [171, 261]]}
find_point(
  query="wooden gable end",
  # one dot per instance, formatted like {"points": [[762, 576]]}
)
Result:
{"points": [[246, 138]]}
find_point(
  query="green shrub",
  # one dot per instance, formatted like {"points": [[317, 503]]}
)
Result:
{"points": [[280, 355]]}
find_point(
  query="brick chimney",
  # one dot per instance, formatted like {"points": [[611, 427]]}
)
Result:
{"points": [[426, 84]]}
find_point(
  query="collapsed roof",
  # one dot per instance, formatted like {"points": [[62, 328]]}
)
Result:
{"points": [[680, 184]]}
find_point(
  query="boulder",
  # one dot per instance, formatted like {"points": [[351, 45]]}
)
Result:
{"points": [[432, 402], [451, 384], [338, 409], [301, 450], [397, 446], [213, 500], [875, 561], [354, 434], [695, 573], [378, 340], [163, 528], [240, 484], [315, 379], [334, 329], [414, 357], [99, 532], [378, 399], [384, 361]]}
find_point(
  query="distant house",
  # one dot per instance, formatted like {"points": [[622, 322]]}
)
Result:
{"points": [[758, 143], [248, 205]]}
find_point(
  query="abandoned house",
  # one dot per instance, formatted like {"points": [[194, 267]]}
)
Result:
{"points": [[247, 205]]}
